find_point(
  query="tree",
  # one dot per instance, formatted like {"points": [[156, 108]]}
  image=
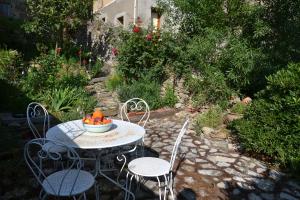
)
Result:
{"points": [[53, 20]]}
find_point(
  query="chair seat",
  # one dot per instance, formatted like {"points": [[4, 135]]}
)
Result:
{"points": [[52, 148], [65, 179], [149, 167]]}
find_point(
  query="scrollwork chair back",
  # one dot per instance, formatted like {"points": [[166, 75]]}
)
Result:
{"points": [[37, 113], [136, 105]]}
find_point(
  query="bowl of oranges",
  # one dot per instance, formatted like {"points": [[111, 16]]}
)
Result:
{"points": [[96, 123]]}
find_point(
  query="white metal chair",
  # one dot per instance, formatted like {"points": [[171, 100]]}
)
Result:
{"points": [[65, 182], [38, 114], [142, 108], [151, 167]]}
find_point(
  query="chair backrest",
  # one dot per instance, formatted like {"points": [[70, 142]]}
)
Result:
{"points": [[37, 114], [41, 162], [136, 105], [177, 143]]}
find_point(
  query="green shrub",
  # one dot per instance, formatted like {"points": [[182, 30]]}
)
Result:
{"points": [[11, 66], [49, 71], [211, 118], [147, 90], [66, 103], [170, 99], [272, 124], [114, 82], [239, 108], [96, 68]]}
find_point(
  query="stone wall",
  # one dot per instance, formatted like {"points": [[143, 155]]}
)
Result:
{"points": [[180, 90]]}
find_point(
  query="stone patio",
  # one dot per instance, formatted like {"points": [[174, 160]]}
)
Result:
{"points": [[214, 169]]}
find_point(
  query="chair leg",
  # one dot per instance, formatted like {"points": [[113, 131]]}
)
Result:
{"points": [[159, 187], [97, 191], [171, 186], [166, 183]]}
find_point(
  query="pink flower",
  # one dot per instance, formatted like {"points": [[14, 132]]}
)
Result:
{"points": [[136, 29], [149, 37], [114, 51]]}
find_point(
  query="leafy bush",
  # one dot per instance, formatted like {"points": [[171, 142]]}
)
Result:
{"points": [[147, 90], [114, 82], [211, 118], [11, 66], [49, 71], [239, 108], [272, 123], [147, 54], [67, 103], [169, 99]]}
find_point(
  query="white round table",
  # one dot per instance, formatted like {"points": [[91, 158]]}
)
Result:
{"points": [[73, 135]]}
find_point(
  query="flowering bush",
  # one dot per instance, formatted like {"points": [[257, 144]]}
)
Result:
{"points": [[146, 54]]}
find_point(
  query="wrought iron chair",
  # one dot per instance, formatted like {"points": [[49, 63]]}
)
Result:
{"points": [[151, 167], [67, 182], [141, 107], [37, 114]]}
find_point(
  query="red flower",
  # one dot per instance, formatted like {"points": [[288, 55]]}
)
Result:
{"points": [[79, 52], [149, 37], [136, 29], [114, 51], [58, 50]]}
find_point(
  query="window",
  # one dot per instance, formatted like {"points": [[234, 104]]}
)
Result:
{"points": [[5, 9], [120, 20], [155, 18]]}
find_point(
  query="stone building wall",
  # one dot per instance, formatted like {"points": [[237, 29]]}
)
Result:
{"points": [[13, 8]]}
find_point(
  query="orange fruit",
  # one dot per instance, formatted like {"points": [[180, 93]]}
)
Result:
{"points": [[98, 114]]}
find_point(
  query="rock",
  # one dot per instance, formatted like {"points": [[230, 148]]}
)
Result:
{"points": [[245, 186], [97, 80], [207, 130], [187, 194], [178, 105], [253, 196], [222, 185], [286, 196], [189, 180], [210, 172], [235, 99], [231, 117], [265, 185], [216, 159], [208, 166], [222, 164], [267, 196], [247, 100], [220, 134], [275, 175], [236, 191]]}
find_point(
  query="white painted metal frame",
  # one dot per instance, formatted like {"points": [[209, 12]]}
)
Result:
{"points": [[162, 171], [67, 182], [136, 105], [36, 112]]}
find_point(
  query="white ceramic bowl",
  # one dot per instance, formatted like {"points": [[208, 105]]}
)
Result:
{"points": [[97, 128]]}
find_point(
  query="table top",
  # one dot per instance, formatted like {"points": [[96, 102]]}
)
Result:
{"points": [[73, 134]]}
